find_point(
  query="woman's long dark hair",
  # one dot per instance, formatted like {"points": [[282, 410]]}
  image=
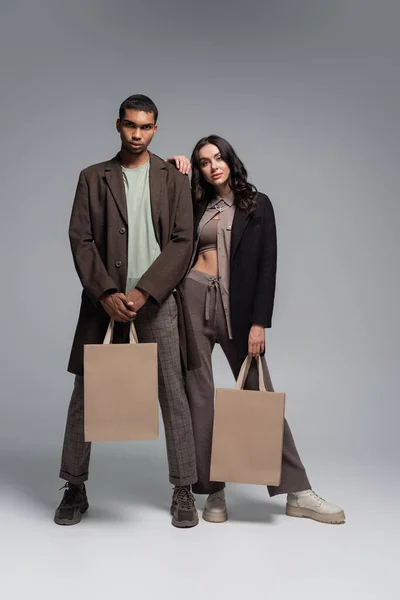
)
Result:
{"points": [[244, 193]]}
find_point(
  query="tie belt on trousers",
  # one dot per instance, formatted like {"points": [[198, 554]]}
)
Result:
{"points": [[212, 288]]}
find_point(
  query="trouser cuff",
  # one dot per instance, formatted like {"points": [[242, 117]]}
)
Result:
{"points": [[75, 480]]}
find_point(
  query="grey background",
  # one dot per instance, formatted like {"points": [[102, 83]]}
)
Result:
{"points": [[307, 92]]}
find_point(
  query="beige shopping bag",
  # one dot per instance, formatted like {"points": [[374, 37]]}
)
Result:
{"points": [[120, 390], [248, 432]]}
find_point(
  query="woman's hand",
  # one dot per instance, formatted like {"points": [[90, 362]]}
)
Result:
{"points": [[256, 341], [182, 163]]}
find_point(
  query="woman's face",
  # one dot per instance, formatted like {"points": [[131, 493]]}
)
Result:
{"points": [[213, 167]]}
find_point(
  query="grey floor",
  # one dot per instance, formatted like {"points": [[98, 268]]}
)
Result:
{"points": [[126, 546]]}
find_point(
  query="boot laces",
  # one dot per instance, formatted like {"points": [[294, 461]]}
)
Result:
{"points": [[70, 494], [184, 497], [315, 496], [216, 496]]}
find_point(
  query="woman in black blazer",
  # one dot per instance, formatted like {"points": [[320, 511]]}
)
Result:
{"points": [[229, 294]]}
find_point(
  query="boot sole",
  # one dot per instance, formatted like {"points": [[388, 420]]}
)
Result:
{"points": [[307, 513], [211, 517], [184, 524], [76, 519]]}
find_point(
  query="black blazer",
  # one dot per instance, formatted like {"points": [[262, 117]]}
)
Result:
{"points": [[252, 269]]}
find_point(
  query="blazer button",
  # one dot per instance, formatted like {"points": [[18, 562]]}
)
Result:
{"points": [[118, 263], [122, 230]]}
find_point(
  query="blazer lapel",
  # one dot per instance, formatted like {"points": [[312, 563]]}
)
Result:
{"points": [[240, 222], [113, 175], [158, 180]]}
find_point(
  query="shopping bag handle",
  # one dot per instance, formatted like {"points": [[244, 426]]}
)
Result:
{"points": [[133, 338], [244, 371]]}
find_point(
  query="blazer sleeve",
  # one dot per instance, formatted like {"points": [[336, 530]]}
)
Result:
{"points": [[88, 262], [170, 267], [263, 303]]}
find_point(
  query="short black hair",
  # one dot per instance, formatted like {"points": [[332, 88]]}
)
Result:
{"points": [[138, 102]]}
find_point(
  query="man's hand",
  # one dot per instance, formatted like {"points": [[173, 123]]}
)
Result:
{"points": [[136, 300], [182, 163], [256, 341], [116, 306]]}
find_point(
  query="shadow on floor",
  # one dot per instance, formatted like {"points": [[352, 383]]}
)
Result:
{"points": [[132, 475]]}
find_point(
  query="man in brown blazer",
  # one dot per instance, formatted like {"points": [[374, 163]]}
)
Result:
{"points": [[131, 234]]}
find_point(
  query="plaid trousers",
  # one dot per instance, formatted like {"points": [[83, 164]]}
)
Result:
{"points": [[153, 324]]}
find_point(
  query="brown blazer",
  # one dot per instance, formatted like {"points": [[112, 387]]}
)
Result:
{"points": [[98, 234]]}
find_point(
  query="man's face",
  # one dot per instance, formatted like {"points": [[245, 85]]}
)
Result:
{"points": [[137, 129]]}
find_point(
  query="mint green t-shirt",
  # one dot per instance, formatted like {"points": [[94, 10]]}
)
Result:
{"points": [[143, 247]]}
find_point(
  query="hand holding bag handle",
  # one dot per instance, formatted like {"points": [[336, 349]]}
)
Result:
{"points": [[244, 371], [133, 338], [248, 430]]}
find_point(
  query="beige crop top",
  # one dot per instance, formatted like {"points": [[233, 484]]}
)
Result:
{"points": [[208, 237]]}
